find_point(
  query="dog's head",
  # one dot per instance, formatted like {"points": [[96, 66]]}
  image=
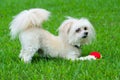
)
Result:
{"points": [[77, 31]]}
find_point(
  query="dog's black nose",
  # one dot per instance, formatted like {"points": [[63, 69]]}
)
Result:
{"points": [[86, 33]]}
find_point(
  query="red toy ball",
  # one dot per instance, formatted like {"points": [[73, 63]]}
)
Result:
{"points": [[97, 55]]}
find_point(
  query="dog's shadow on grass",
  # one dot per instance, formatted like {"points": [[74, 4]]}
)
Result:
{"points": [[37, 59]]}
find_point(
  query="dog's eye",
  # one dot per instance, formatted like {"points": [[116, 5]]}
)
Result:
{"points": [[85, 28], [77, 30]]}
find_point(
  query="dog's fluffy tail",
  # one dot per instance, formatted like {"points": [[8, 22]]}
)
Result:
{"points": [[28, 19]]}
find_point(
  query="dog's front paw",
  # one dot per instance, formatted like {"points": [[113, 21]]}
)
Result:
{"points": [[26, 60]]}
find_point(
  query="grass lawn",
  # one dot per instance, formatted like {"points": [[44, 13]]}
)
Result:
{"points": [[103, 14]]}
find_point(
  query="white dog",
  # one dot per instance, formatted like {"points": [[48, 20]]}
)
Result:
{"points": [[72, 34]]}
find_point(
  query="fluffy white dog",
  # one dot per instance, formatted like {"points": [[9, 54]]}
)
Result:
{"points": [[72, 34]]}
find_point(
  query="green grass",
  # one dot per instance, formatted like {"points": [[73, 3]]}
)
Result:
{"points": [[104, 15]]}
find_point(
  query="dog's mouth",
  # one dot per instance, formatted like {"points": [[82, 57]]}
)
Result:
{"points": [[84, 36]]}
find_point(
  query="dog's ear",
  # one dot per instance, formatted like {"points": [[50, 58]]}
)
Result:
{"points": [[65, 28]]}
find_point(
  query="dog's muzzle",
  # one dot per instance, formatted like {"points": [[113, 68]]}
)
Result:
{"points": [[85, 35]]}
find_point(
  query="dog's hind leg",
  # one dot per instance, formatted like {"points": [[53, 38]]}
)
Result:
{"points": [[27, 54]]}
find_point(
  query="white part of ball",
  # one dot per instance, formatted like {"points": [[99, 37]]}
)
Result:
{"points": [[89, 57]]}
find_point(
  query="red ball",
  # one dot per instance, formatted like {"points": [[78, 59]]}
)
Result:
{"points": [[96, 55]]}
